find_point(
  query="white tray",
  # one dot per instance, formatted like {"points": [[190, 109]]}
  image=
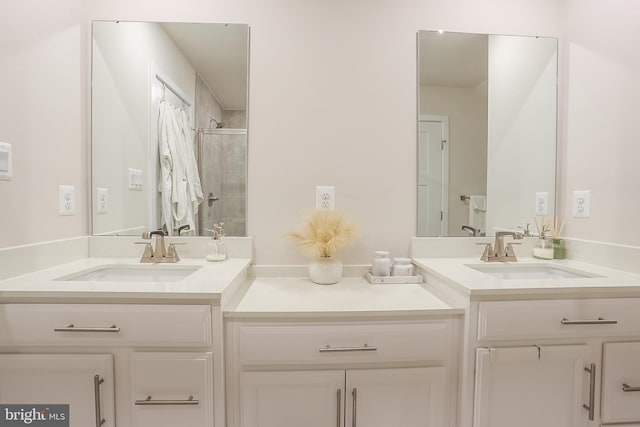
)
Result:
{"points": [[392, 279]]}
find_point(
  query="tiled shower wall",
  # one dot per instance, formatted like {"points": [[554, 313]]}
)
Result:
{"points": [[224, 165]]}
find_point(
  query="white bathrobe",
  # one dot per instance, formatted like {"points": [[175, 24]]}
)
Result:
{"points": [[179, 181]]}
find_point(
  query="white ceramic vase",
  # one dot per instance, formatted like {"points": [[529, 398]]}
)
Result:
{"points": [[325, 271]]}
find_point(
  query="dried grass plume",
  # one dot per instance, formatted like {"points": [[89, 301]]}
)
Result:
{"points": [[323, 233]]}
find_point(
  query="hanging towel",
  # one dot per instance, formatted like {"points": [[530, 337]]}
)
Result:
{"points": [[179, 181], [477, 211]]}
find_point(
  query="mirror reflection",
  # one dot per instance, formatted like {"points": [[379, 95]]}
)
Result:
{"points": [[168, 128], [486, 132]]}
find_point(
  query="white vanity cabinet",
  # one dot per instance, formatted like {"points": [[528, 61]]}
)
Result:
{"points": [[156, 360], [553, 362], [532, 386], [85, 382], [341, 374]]}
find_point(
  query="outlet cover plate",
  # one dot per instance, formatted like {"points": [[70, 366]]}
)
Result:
{"points": [[102, 200], [542, 203], [66, 200], [326, 197], [582, 204]]}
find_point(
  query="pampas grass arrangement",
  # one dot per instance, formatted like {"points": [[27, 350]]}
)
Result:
{"points": [[324, 233]]}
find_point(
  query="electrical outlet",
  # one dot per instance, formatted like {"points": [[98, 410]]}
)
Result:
{"points": [[542, 203], [5, 162], [135, 179], [326, 198], [102, 200], [582, 204], [66, 200]]}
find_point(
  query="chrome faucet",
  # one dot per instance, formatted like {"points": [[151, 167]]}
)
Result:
{"points": [[498, 252], [474, 231], [160, 253]]}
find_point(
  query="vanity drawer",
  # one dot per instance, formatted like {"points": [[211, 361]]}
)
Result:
{"points": [[336, 343], [620, 368], [105, 324], [517, 320]]}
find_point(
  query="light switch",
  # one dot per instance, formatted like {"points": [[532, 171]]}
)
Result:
{"points": [[135, 179], [5, 161]]}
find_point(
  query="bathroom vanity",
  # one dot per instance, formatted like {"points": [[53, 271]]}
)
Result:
{"points": [[345, 355], [138, 348], [554, 351]]}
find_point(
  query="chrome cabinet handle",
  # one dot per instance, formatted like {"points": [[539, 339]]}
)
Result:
{"points": [[598, 321], [73, 328], [627, 388], [338, 402], [354, 393], [96, 396], [148, 401], [592, 391], [329, 349]]}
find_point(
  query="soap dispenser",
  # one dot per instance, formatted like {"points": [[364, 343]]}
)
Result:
{"points": [[215, 248]]}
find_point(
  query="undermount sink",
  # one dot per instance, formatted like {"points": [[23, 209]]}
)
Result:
{"points": [[133, 273], [530, 271]]}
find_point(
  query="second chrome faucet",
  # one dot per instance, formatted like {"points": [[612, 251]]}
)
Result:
{"points": [[500, 253]]}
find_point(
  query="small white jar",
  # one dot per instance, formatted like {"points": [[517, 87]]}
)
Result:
{"points": [[381, 265], [402, 267]]}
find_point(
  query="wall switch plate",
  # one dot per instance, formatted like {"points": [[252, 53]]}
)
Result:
{"points": [[102, 200], [326, 197], [135, 179], [5, 162], [66, 200], [582, 204], [542, 203]]}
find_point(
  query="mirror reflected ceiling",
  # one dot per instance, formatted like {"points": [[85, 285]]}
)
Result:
{"points": [[168, 127], [486, 132]]}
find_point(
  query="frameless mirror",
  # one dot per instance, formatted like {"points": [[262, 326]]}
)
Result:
{"points": [[486, 132], [169, 127]]}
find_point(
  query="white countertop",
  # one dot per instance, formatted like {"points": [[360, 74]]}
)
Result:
{"points": [[456, 273], [212, 282], [352, 296]]}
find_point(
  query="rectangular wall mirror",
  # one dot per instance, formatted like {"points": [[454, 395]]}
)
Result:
{"points": [[169, 127], [486, 132]]}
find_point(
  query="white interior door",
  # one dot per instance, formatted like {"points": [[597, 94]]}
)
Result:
{"points": [[433, 176], [532, 386]]}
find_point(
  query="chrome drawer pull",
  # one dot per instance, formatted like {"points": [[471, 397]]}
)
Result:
{"points": [[339, 403], [73, 328], [627, 388], [592, 391], [329, 349], [354, 394], [149, 401], [598, 321], [96, 396]]}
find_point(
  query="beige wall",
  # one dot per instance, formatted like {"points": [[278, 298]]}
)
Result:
{"points": [[43, 114], [600, 139], [332, 102]]}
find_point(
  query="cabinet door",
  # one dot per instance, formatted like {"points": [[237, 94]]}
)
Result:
{"points": [[292, 399], [172, 389], [61, 379], [532, 386], [411, 397], [621, 382]]}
